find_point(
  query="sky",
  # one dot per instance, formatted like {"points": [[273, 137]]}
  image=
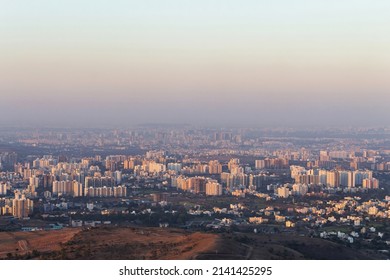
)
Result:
{"points": [[207, 62]]}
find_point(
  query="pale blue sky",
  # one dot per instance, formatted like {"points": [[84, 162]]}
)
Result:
{"points": [[257, 62]]}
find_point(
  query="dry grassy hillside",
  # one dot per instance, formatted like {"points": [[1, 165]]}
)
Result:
{"points": [[161, 243]]}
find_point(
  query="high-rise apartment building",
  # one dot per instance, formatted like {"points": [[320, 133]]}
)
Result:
{"points": [[215, 167], [213, 188], [22, 207]]}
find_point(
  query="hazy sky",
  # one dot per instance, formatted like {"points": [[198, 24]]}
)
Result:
{"points": [[256, 62]]}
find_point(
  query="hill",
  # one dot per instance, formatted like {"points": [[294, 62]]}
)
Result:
{"points": [[166, 243]]}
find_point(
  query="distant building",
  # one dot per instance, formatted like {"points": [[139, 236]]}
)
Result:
{"points": [[174, 166], [259, 164], [213, 188], [158, 197], [4, 187], [215, 167], [283, 192], [120, 191], [67, 188], [22, 207], [257, 220]]}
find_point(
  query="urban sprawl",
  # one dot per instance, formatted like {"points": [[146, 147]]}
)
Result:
{"points": [[326, 183]]}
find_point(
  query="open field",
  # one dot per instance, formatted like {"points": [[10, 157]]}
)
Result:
{"points": [[136, 243], [166, 243], [22, 243], [107, 243]]}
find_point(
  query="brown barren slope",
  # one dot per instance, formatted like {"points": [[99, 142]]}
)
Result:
{"points": [[135, 243], [22, 243], [112, 243]]}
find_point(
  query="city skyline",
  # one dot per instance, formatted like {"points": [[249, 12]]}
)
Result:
{"points": [[289, 192], [95, 63]]}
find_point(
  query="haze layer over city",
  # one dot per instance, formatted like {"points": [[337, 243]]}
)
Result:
{"points": [[261, 63], [194, 129]]}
